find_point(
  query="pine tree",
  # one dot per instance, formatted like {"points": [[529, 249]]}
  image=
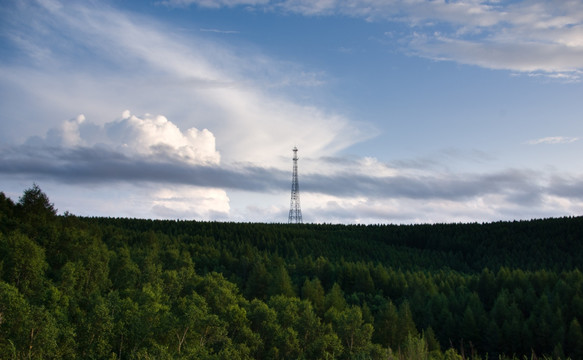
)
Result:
{"points": [[335, 299], [405, 323], [386, 325], [281, 283], [574, 340], [313, 291]]}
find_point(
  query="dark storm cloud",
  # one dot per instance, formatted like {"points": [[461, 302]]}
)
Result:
{"points": [[571, 187], [101, 165], [93, 165], [450, 186]]}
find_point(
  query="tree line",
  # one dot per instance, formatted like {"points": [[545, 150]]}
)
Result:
{"points": [[110, 288]]}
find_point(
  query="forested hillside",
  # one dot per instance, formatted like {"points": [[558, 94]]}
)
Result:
{"points": [[105, 288]]}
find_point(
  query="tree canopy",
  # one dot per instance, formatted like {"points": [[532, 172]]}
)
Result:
{"points": [[76, 287]]}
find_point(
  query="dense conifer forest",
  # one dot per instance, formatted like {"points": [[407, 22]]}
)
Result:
{"points": [[108, 288]]}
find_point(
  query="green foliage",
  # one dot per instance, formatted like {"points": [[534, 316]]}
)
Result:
{"points": [[35, 204], [313, 291], [335, 299], [36, 214], [102, 288], [353, 332], [23, 263], [281, 283], [7, 221], [574, 340], [26, 331]]}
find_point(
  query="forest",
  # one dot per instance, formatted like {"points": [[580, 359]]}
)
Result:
{"points": [[76, 287]]}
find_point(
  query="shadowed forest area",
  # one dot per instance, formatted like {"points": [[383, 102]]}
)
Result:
{"points": [[109, 288]]}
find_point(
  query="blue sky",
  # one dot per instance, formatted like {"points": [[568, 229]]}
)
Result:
{"points": [[403, 111]]}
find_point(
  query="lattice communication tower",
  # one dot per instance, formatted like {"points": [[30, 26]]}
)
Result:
{"points": [[295, 211]]}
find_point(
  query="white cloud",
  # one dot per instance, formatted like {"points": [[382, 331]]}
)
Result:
{"points": [[146, 140], [490, 207], [553, 140], [541, 37], [67, 134], [152, 201], [213, 3], [182, 202], [530, 37], [220, 31], [552, 60], [153, 135], [147, 136], [239, 95]]}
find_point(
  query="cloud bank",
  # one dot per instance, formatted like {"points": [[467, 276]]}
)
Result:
{"points": [[130, 149], [188, 179]]}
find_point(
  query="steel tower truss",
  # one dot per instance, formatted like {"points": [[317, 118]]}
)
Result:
{"points": [[295, 211]]}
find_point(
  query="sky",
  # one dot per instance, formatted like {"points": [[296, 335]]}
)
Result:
{"points": [[403, 111]]}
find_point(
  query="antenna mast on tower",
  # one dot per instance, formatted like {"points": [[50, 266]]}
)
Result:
{"points": [[295, 212]]}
